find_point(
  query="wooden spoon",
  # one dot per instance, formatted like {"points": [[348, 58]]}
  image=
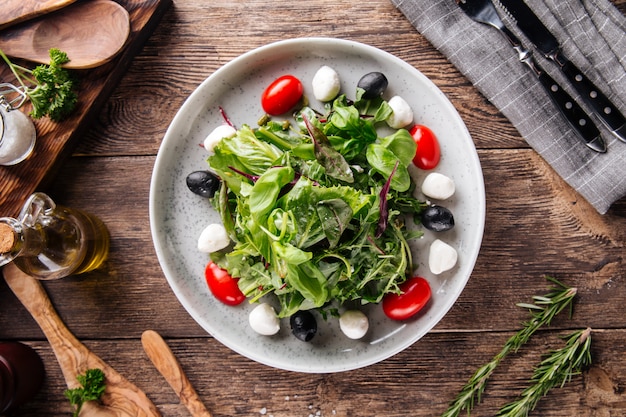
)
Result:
{"points": [[164, 360], [16, 11], [121, 397], [91, 33]]}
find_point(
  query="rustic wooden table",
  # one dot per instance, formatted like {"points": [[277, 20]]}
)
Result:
{"points": [[536, 226]]}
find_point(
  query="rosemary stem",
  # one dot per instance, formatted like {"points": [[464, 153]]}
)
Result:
{"points": [[554, 370], [542, 312]]}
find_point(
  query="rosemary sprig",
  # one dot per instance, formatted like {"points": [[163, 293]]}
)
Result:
{"points": [[543, 310], [555, 370]]}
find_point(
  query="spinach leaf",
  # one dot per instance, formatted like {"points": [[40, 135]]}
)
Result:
{"points": [[402, 145], [266, 189], [384, 161], [307, 279]]}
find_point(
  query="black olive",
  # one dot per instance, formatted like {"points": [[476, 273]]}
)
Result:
{"points": [[374, 84], [303, 325], [437, 218], [203, 183]]}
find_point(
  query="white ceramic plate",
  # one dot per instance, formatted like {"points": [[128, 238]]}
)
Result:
{"points": [[177, 216]]}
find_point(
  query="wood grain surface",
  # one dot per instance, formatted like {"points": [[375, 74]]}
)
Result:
{"points": [[55, 141], [536, 226], [90, 33], [16, 11]]}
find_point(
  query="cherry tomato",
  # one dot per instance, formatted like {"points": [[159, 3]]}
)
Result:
{"points": [[415, 294], [281, 95], [222, 285], [428, 153]]}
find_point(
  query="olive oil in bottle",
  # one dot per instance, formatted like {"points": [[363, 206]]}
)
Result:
{"points": [[50, 241]]}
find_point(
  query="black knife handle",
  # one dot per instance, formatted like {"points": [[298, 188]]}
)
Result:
{"points": [[601, 105], [574, 114]]}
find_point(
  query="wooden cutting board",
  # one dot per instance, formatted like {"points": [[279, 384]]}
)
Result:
{"points": [[55, 141], [15, 11]]}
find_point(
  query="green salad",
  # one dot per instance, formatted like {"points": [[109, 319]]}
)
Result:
{"points": [[317, 208]]}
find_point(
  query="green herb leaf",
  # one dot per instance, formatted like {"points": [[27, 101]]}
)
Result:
{"points": [[384, 162], [402, 145], [335, 216], [555, 370], [92, 387], [50, 88], [334, 163], [542, 312], [266, 190]]}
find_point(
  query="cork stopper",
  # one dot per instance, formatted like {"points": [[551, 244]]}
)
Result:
{"points": [[7, 238]]}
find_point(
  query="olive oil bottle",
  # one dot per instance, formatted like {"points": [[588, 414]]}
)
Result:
{"points": [[49, 241]]}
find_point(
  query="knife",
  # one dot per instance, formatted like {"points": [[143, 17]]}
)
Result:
{"points": [[545, 42], [483, 11]]}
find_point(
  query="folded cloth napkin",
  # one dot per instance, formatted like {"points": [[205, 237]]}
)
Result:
{"points": [[592, 34]]}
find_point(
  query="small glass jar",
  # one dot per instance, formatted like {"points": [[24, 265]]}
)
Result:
{"points": [[17, 134], [21, 375]]}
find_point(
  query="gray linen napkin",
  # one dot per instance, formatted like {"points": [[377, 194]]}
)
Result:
{"points": [[592, 35]]}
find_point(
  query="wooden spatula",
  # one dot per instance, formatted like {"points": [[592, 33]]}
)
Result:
{"points": [[164, 360], [121, 397], [91, 33], [16, 11]]}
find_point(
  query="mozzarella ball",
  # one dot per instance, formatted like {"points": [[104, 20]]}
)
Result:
{"points": [[325, 84], [438, 186], [219, 133], [442, 257], [263, 320], [354, 324], [402, 113], [213, 238]]}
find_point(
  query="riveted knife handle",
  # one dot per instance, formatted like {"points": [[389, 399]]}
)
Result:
{"points": [[601, 105], [574, 114]]}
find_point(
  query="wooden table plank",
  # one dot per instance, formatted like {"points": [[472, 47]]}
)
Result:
{"points": [[420, 381], [536, 225]]}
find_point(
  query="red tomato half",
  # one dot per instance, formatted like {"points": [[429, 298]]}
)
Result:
{"points": [[282, 95], [222, 285], [428, 153], [415, 294]]}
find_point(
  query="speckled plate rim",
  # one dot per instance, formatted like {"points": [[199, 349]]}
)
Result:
{"points": [[177, 216]]}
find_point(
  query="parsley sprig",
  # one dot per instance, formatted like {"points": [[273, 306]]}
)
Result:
{"points": [[93, 386], [543, 310], [50, 88]]}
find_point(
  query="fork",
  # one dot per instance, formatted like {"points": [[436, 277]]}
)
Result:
{"points": [[483, 11]]}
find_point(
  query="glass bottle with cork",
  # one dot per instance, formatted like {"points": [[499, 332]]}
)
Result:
{"points": [[48, 241]]}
